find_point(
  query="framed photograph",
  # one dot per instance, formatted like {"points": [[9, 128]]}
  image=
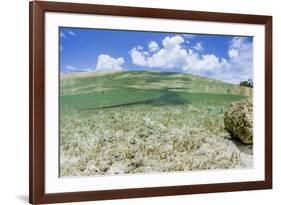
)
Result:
{"points": [[138, 102]]}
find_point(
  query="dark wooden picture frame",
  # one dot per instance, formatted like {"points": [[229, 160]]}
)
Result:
{"points": [[37, 193]]}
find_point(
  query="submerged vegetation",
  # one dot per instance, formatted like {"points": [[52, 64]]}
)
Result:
{"points": [[143, 122]]}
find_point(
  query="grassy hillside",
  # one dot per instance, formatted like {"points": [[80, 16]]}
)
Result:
{"points": [[140, 122]]}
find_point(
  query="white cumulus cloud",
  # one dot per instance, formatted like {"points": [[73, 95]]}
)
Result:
{"points": [[172, 42], [208, 62], [198, 46], [232, 53], [244, 48], [241, 59], [173, 54], [240, 52], [153, 46], [138, 57], [108, 63]]}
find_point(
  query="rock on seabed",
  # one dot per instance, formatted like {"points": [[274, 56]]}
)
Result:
{"points": [[238, 120]]}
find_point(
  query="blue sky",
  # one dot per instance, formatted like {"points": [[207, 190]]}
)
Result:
{"points": [[226, 58]]}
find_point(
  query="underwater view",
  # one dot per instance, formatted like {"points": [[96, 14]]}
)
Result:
{"points": [[149, 102]]}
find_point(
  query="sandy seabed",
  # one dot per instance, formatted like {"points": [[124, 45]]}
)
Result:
{"points": [[148, 139]]}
